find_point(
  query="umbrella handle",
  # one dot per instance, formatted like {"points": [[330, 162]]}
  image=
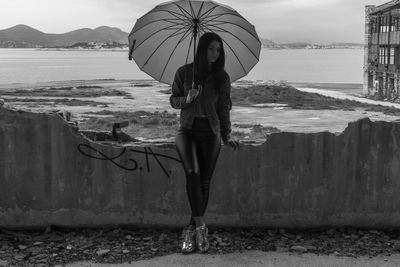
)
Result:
{"points": [[200, 89]]}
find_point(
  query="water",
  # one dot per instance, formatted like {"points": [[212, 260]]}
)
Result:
{"points": [[322, 66]]}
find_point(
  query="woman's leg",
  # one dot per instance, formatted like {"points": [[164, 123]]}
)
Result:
{"points": [[208, 152], [187, 151]]}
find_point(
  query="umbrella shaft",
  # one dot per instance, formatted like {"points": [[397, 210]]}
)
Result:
{"points": [[196, 22], [194, 53]]}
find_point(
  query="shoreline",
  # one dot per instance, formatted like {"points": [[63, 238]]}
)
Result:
{"points": [[317, 85], [259, 108]]}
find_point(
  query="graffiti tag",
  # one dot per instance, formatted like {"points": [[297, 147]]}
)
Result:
{"points": [[131, 164]]}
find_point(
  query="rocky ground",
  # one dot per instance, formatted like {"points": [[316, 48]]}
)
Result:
{"points": [[117, 245]]}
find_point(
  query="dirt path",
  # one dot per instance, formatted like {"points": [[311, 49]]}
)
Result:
{"points": [[258, 258]]}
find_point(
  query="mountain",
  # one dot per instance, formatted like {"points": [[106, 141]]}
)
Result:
{"points": [[25, 36], [266, 43]]}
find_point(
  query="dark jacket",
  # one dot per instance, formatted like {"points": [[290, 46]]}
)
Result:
{"points": [[215, 101]]}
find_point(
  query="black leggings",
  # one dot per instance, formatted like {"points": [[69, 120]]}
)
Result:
{"points": [[198, 149]]}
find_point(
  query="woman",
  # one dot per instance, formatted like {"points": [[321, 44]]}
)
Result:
{"points": [[204, 121]]}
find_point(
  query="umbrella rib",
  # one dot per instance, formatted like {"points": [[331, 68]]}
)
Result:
{"points": [[233, 51], [201, 8], [183, 11], [162, 29], [154, 21], [191, 9], [235, 14], [173, 13], [155, 50], [207, 12], [219, 22], [225, 31], [169, 58]]}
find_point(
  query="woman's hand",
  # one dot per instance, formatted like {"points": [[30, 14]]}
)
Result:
{"points": [[232, 143], [191, 95]]}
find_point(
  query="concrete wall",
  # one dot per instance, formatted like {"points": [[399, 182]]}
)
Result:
{"points": [[51, 174]]}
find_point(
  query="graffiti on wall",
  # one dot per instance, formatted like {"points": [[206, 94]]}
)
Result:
{"points": [[131, 164]]}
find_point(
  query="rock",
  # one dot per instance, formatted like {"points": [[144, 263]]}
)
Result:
{"points": [[218, 239], [34, 250], [125, 251], [22, 247], [37, 243], [300, 249], [375, 232], [271, 233], [102, 252], [365, 237], [4, 263], [331, 232], [48, 229], [281, 249], [162, 237], [19, 257], [311, 248], [39, 256], [223, 244], [354, 236], [299, 237]]}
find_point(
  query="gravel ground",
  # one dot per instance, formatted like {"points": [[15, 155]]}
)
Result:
{"points": [[118, 245]]}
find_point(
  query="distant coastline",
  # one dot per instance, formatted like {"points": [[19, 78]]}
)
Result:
{"points": [[126, 48], [105, 37]]}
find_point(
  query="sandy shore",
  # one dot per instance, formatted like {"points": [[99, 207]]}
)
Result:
{"points": [[258, 108]]}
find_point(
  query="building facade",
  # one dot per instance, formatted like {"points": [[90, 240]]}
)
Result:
{"points": [[382, 51]]}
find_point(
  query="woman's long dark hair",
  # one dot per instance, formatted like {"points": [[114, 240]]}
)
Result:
{"points": [[201, 61]]}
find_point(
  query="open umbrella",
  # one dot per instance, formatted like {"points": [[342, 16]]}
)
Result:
{"points": [[165, 38]]}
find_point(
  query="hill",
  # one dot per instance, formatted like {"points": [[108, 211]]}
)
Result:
{"points": [[266, 43], [24, 36]]}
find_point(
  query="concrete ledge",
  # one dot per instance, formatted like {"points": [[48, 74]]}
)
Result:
{"points": [[50, 174]]}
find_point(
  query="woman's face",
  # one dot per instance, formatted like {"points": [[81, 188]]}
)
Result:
{"points": [[214, 48]]}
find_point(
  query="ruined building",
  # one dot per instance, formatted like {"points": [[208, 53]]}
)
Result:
{"points": [[382, 51]]}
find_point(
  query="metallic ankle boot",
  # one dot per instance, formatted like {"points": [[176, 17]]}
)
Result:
{"points": [[189, 241], [202, 238]]}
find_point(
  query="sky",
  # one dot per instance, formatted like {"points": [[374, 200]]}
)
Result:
{"points": [[282, 21]]}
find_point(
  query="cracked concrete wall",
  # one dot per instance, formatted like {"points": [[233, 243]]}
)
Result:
{"points": [[51, 174]]}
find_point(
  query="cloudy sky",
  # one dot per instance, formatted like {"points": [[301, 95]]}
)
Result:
{"points": [[318, 21]]}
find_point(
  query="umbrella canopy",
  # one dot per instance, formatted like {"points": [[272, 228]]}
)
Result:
{"points": [[164, 39]]}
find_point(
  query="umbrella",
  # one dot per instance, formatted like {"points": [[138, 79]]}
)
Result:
{"points": [[163, 39]]}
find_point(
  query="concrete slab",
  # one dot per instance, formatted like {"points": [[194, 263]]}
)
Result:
{"points": [[257, 258]]}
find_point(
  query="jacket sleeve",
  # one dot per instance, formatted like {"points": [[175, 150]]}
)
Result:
{"points": [[223, 109], [178, 98]]}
